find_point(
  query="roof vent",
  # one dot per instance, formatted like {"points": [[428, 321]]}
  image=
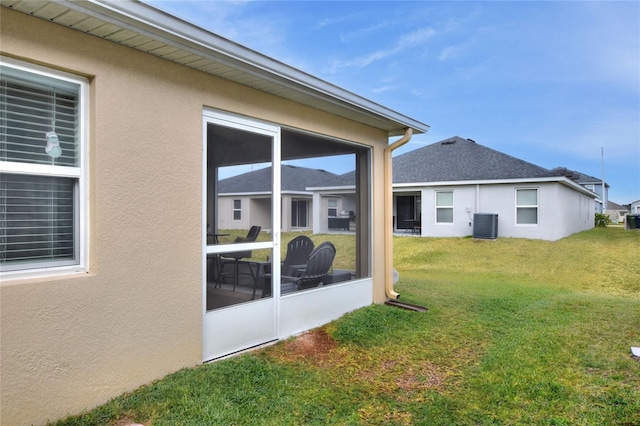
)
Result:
{"points": [[471, 140], [449, 142]]}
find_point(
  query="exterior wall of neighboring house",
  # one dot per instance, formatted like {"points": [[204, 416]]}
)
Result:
{"points": [[616, 213], [634, 207], [345, 202], [70, 342], [256, 210], [226, 212], [576, 210], [287, 200], [596, 186]]}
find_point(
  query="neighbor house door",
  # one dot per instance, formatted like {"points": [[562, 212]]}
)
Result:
{"points": [[239, 311], [405, 211]]}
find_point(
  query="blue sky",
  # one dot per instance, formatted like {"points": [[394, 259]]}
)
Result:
{"points": [[552, 83]]}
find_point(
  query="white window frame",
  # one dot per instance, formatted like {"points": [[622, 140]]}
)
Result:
{"points": [[527, 206], [79, 173], [330, 207], [443, 207], [234, 209]]}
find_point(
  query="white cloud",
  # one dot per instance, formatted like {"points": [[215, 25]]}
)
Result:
{"points": [[363, 32], [404, 42], [383, 89], [451, 52]]}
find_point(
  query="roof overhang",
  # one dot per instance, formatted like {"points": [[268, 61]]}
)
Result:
{"points": [[143, 27], [519, 181]]}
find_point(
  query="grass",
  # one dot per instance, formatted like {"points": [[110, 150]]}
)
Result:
{"points": [[344, 243], [517, 332]]}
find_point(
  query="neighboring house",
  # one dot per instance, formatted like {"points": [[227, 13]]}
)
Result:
{"points": [[245, 199], [438, 190], [634, 207], [446, 183], [334, 204], [592, 184], [116, 121], [616, 212]]}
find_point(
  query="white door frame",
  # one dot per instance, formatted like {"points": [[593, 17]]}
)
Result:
{"points": [[238, 327]]}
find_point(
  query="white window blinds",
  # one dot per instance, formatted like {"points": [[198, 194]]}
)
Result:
{"points": [[30, 109], [39, 221], [37, 218]]}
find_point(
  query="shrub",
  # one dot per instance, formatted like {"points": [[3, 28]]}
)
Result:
{"points": [[602, 220]]}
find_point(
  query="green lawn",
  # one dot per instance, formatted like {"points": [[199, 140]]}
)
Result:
{"points": [[517, 332]]}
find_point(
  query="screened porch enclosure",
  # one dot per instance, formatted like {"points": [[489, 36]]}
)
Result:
{"points": [[246, 274]]}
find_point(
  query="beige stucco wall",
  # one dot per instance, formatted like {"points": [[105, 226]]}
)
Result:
{"points": [[72, 342]]}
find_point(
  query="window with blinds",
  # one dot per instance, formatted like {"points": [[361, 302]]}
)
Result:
{"points": [[39, 190]]}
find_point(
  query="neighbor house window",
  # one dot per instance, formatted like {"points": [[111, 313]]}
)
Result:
{"points": [[299, 213], [42, 170], [527, 206], [332, 208], [237, 209], [444, 207]]}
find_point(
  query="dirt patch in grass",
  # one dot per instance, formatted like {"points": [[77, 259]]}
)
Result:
{"points": [[125, 421], [425, 376], [317, 348], [314, 346]]}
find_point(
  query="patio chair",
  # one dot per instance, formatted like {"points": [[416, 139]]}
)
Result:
{"points": [[236, 257], [317, 267], [298, 251]]}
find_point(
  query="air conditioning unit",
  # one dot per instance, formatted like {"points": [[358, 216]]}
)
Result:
{"points": [[485, 225]]}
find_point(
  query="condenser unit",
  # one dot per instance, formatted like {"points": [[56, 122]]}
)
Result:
{"points": [[485, 225]]}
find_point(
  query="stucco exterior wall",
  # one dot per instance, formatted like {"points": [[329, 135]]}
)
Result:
{"points": [[575, 212], [225, 213], [72, 342], [260, 213], [562, 211], [287, 199], [463, 197]]}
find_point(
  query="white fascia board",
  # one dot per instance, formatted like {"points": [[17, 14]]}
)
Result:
{"points": [[348, 188], [262, 194], [470, 182], [298, 193], [559, 179], [572, 184], [245, 194], [140, 17]]}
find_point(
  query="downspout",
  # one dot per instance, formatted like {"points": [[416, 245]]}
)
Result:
{"points": [[388, 212]]}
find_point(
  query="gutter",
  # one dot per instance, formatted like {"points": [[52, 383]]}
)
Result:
{"points": [[388, 212]]}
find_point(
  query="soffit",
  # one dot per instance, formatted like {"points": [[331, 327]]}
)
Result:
{"points": [[145, 28]]}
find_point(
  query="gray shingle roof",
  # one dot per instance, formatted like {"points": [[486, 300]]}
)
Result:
{"points": [[346, 179], [293, 178], [615, 206], [458, 159], [450, 160], [581, 178]]}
